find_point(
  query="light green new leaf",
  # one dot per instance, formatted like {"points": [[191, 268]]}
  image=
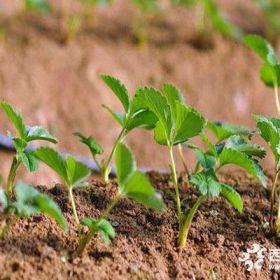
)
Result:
{"points": [[206, 183], [188, 123], [29, 160], [94, 147], [125, 163], [15, 118], [39, 133], [262, 47], [223, 130], [270, 75], [118, 89], [30, 201], [76, 171], [142, 119], [232, 196], [54, 160], [139, 188], [232, 156]]}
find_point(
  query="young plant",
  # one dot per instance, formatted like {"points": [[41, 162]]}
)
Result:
{"points": [[132, 184], [71, 171], [42, 6], [176, 124], [28, 202], [26, 134], [133, 117], [269, 127]]}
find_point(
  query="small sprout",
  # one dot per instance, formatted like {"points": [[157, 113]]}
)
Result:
{"points": [[28, 202], [131, 184], [71, 171], [25, 135], [134, 116]]}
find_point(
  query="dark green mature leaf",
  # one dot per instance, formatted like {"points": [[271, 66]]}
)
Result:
{"points": [[206, 183], [262, 47], [76, 171], [232, 156], [270, 132], [125, 163], [118, 89], [139, 188], [232, 196], [30, 201], [102, 226], [188, 123], [119, 117], [29, 160], [224, 130], [54, 160], [238, 143], [89, 141], [39, 133], [15, 118]]}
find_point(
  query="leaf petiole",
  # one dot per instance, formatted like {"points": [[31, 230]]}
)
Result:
{"points": [[12, 174], [272, 197], [276, 96]]}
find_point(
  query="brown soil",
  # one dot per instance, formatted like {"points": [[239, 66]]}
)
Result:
{"points": [[145, 246], [58, 86]]}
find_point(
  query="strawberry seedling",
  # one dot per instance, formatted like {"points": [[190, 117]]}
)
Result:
{"points": [[133, 117], [26, 134], [28, 202]]}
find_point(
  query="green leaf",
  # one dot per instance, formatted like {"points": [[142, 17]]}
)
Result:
{"points": [[139, 188], [270, 75], [160, 134], [76, 171], [89, 141], [232, 196], [142, 119], [125, 163], [119, 117], [188, 123], [147, 5], [262, 47], [102, 226], [206, 183], [118, 89], [37, 6], [15, 118], [231, 156], [270, 132], [205, 160], [3, 199], [54, 160], [39, 133], [211, 147], [223, 130], [29, 160], [30, 201], [238, 143]]}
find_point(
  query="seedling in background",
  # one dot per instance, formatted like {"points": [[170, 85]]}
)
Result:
{"points": [[26, 134], [132, 184], [42, 6], [28, 202], [269, 127], [133, 117], [71, 172]]}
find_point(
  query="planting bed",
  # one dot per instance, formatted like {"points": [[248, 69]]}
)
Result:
{"points": [[145, 246]]}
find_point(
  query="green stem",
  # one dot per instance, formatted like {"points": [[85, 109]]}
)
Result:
{"points": [[12, 174], [105, 167], [86, 238], [73, 205], [276, 96], [185, 227], [277, 224], [175, 182], [183, 159], [272, 196]]}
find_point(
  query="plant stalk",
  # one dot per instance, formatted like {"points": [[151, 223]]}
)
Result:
{"points": [[176, 186], [185, 227], [105, 168], [272, 197], [183, 160], [73, 205], [276, 96], [86, 238], [12, 174]]}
